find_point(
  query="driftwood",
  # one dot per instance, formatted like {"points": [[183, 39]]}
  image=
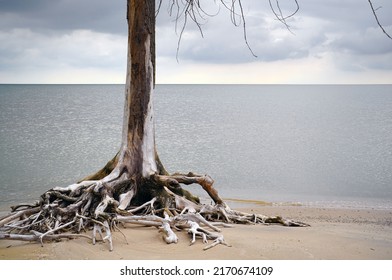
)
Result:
{"points": [[69, 212]]}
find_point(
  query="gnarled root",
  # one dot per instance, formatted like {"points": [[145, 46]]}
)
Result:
{"points": [[99, 205]]}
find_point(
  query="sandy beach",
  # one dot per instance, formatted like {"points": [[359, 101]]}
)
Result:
{"points": [[335, 234]]}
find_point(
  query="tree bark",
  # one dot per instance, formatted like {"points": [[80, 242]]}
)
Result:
{"points": [[137, 152]]}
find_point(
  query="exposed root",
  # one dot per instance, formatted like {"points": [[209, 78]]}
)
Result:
{"points": [[168, 234], [35, 236], [98, 228], [191, 178], [217, 241], [99, 205]]}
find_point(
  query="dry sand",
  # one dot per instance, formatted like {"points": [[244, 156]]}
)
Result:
{"points": [[335, 234]]}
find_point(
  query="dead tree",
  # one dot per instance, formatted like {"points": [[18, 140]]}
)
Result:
{"points": [[134, 187]]}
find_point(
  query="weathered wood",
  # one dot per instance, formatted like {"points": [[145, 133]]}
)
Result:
{"points": [[168, 234], [36, 237], [147, 204], [19, 214]]}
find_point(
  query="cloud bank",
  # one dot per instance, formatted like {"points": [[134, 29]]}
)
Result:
{"points": [[69, 41]]}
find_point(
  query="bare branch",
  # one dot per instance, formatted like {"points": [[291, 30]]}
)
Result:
{"points": [[279, 14], [377, 20], [244, 28], [241, 15], [192, 9]]}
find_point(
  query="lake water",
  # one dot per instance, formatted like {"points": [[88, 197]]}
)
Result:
{"points": [[327, 146]]}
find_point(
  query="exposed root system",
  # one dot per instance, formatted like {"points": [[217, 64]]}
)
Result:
{"points": [[98, 207]]}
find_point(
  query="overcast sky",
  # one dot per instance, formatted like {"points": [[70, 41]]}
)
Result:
{"points": [[73, 41]]}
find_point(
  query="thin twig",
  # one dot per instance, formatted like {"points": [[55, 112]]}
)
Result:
{"points": [[377, 20], [279, 14]]}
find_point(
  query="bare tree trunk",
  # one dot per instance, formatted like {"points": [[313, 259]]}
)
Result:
{"points": [[137, 153], [137, 156]]}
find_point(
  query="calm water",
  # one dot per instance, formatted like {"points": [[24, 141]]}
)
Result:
{"points": [[318, 145]]}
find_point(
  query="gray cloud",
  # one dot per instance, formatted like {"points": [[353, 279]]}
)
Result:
{"points": [[320, 26], [83, 48], [92, 33], [63, 15], [46, 35]]}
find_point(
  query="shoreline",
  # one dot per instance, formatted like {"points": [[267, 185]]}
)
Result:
{"points": [[242, 203], [334, 234], [353, 204]]}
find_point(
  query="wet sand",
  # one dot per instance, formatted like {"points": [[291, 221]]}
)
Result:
{"points": [[334, 234]]}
